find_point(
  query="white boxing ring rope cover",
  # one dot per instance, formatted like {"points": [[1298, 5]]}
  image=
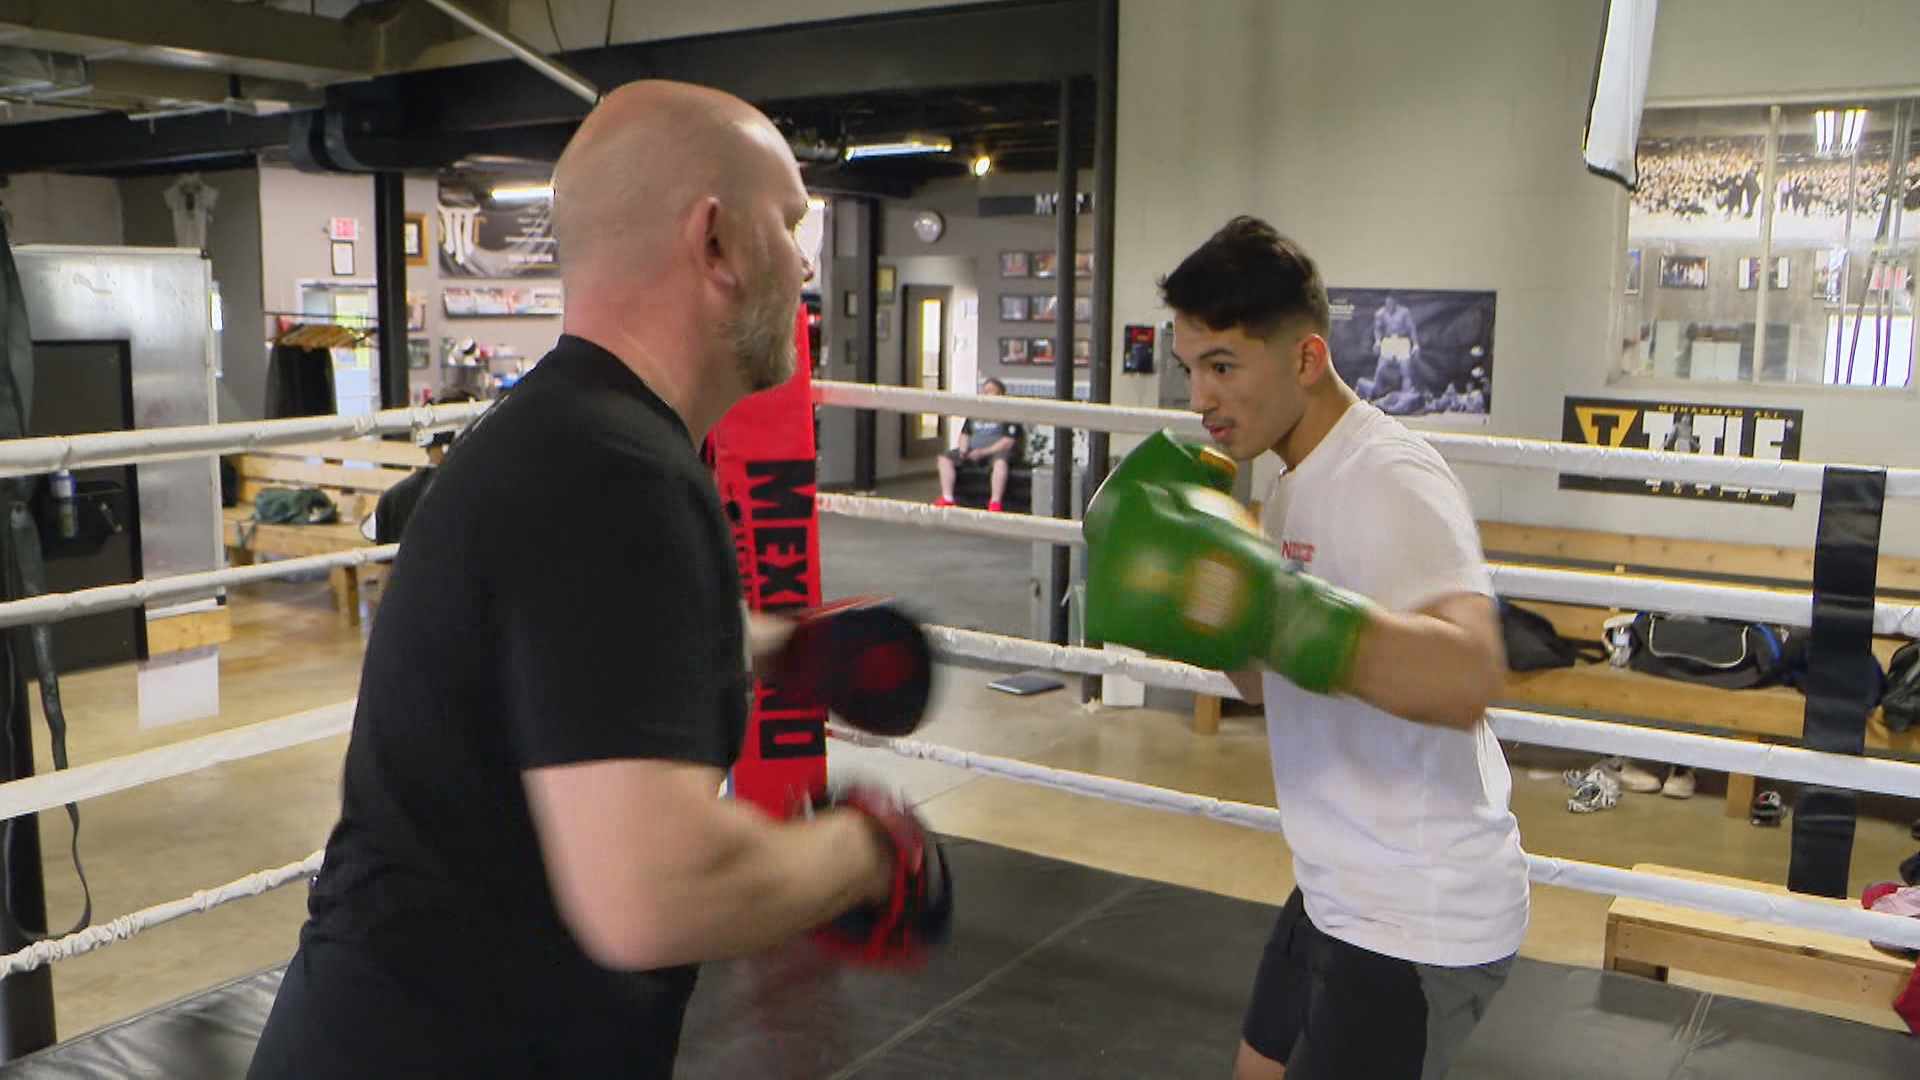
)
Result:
{"points": [[1831, 917], [1465, 449], [1786, 608], [27, 457]]}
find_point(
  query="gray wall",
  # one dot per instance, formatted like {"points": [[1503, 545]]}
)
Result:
{"points": [[1451, 159], [44, 208], [966, 257], [233, 247]]}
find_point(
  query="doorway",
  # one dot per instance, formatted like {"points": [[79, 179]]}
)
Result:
{"points": [[923, 365]]}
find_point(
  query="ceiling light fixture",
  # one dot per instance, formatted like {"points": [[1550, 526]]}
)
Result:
{"points": [[909, 146], [982, 165], [521, 192]]}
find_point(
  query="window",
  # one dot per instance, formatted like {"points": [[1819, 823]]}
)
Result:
{"points": [[1774, 244]]}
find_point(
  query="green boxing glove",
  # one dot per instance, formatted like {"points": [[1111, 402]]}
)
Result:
{"points": [[1183, 571], [1163, 459]]}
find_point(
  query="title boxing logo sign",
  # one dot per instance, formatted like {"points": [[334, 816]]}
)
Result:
{"points": [[1721, 430]]}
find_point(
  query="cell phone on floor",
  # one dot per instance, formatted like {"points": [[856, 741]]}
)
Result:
{"points": [[1026, 683]]}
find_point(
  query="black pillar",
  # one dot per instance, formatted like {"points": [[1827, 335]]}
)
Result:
{"points": [[1100, 333], [860, 339], [1066, 220], [390, 271]]}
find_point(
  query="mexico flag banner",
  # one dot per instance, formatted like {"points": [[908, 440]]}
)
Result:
{"points": [[763, 459]]}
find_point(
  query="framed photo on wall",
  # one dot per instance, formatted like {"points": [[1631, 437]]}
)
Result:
{"points": [[1082, 352], [1083, 309], [1013, 350], [343, 258], [1083, 264], [883, 279], [1044, 264], [1041, 308], [1041, 350], [1013, 308], [413, 238], [1013, 264], [1683, 271]]}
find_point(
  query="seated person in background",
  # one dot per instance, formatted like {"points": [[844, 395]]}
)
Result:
{"points": [[396, 504], [977, 441]]}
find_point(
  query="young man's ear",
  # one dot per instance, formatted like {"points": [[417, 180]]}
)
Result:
{"points": [[1311, 359]]}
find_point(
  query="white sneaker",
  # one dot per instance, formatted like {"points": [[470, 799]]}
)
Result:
{"points": [[1635, 778], [1679, 784]]}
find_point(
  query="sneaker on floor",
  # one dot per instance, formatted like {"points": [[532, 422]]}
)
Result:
{"points": [[1593, 797], [1767, 809], [1596, 775], [1635, 778], [993, 507], [1679, 783], [943, 501]]}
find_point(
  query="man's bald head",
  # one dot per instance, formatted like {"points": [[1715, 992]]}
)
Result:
{"points": [[645, 155]]}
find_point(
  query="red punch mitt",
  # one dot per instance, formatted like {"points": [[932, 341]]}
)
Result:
{"points": [[866, 660], [918, 910]]}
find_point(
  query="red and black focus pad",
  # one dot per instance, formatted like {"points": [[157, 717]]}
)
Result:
{"points": [[866, 660], [918, 911]]}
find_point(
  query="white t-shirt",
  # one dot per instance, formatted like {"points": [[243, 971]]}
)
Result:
{"points": [[1403, 842]]}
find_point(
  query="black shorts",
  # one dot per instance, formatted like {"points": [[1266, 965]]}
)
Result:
{"points": [[1324, 1008]]}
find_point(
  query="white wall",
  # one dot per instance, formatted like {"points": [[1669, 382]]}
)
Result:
{"points": [[45, 208], [1409, 144], [1717, 49]]}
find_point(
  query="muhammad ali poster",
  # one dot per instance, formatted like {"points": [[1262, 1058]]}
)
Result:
{"points": [[486, 237], [1415, 352], [1723, 430]]}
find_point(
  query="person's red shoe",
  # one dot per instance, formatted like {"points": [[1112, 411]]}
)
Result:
{"points": [[943, 501], [993, 507]]}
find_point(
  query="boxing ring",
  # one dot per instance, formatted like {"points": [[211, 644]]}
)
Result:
{"points": [[1055, 969]]}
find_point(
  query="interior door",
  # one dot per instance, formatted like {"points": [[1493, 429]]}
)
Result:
{"points": [[923, 365]]}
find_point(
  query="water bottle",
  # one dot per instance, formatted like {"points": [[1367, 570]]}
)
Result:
{"points": [[66, 510]]}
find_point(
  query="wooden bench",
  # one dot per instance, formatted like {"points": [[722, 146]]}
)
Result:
{"points": [[1650, 939], [1768, 714], [353, 473]]}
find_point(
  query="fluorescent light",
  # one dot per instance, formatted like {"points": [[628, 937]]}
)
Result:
{"points": [[982, 165], [521, 192], [1839, 134], [904, 147]]}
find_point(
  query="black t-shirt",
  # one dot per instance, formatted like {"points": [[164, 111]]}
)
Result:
{"points": [[395, 507], [568, 594]]}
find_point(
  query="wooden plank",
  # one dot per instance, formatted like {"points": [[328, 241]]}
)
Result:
{"points": [[1206, 714], [1776, 710], [1540, 543], [294, 540], [190, 630], [1778, 965], [378, 451], [1839, 948], [291, 472]]}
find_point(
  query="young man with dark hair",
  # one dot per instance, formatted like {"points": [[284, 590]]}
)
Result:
{"points": [[1368, 604]]}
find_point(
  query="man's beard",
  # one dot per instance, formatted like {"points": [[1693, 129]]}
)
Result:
{"points": [[761, 334]]}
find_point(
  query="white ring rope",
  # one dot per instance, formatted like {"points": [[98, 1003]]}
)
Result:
{"points": [[42, 953], [1470, 449], [1787, 608], [1831, 917], [46, 791], [31, 457], [52, 607], [1878, 775]]}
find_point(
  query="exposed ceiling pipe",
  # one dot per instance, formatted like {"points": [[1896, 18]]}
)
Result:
{"points": [[533, 57]]}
